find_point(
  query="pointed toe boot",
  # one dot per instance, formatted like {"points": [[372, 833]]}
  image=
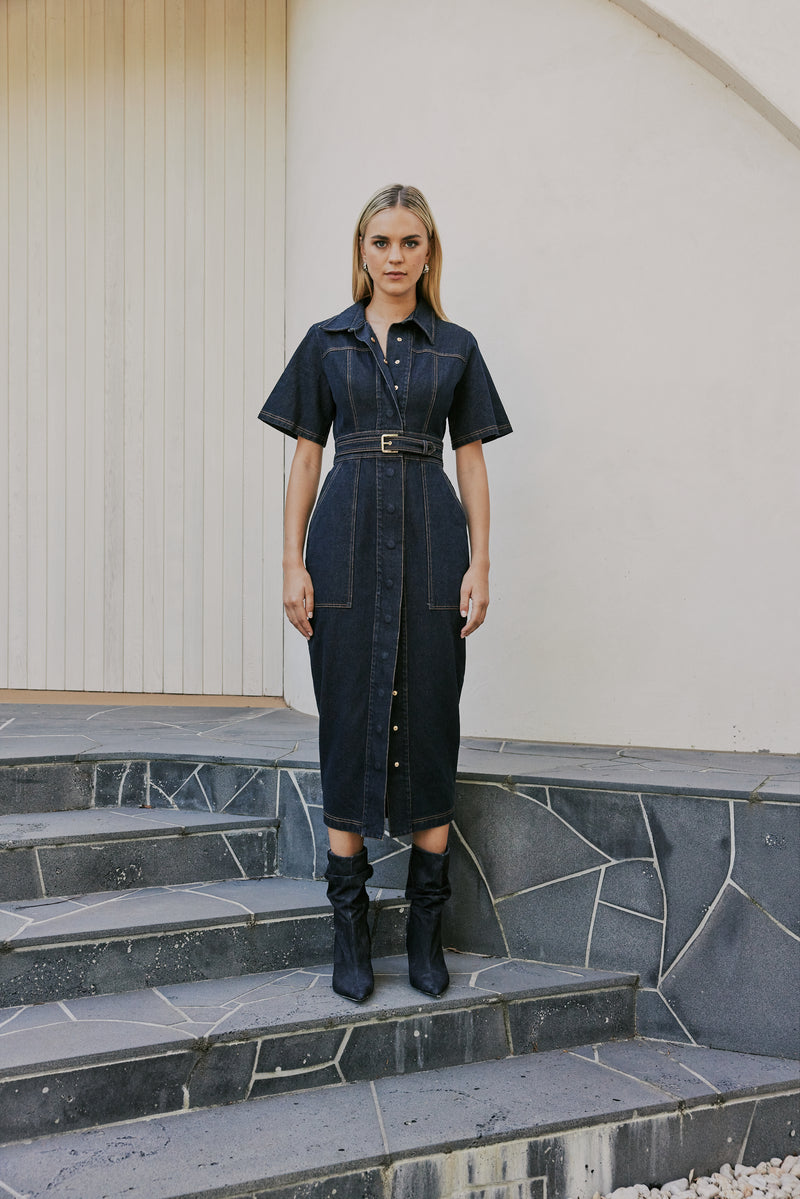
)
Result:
{"points": [[428, 889], [347, 892]]}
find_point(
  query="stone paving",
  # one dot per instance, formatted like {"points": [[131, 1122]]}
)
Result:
{"points": [[280, 736], [153, 1002], [112, 941], [234, 1039], [51, 853], [678, 864], [434, 1135]]}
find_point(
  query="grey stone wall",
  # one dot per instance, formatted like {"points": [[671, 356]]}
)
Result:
{"points": [[696, 894]]}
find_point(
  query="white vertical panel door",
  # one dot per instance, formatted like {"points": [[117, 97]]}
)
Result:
{"points": [[142, 234]]}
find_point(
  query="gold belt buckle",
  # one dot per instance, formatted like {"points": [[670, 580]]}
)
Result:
{"points": [[385, 443]]}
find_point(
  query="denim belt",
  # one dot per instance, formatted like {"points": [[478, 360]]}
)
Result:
{"points": [[416, 445]]}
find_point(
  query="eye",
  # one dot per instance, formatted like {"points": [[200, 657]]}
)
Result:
{"points": [[379, 243], [412, 243]]}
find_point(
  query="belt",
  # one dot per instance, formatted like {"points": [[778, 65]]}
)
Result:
{"points": [[371, 444]]}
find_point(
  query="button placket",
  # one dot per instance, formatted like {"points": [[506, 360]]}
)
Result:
{"points": [[393, 410], [386, 627]]}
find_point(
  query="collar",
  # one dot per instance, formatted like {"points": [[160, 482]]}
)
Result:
{"points": [[353, 319]]}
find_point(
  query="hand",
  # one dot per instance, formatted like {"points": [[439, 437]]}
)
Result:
{"points": [[298, 598], [474, 590]]}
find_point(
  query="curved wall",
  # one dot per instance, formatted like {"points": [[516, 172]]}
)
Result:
{"points": [[620, 233], [750, 46]]}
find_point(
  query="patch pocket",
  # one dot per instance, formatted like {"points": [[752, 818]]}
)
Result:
{"points": [[446, 538], [331, 540]]}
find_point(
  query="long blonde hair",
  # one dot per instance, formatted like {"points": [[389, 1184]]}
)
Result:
{"points": [[396, 195]]}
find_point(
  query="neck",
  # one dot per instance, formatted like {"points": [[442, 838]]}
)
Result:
{"points": [[388, 310]]}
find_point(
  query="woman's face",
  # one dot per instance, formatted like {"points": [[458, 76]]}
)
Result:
{"points": [[395, 247]]}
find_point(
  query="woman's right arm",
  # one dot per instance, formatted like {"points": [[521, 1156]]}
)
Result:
{"points": [[298, 590]]}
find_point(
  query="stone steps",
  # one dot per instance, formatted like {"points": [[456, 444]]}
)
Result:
{"points": [[49, 854], [563, 1123], [168, 1030], [187, 1045], [113, 941]]}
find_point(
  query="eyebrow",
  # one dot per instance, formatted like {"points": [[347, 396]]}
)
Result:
{"points": [[386, 237]]}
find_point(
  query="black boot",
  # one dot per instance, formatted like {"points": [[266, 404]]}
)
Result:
{"points": [[428, 889], [352, 968]]}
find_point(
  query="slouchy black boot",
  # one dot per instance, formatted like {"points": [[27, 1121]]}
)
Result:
{"points": [[352, 968], [428, 888]]}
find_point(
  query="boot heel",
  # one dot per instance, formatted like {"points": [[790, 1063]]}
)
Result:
{"points": [[352, 968], [428, 889]]}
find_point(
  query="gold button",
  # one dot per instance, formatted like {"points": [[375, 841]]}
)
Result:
{"points": [[397, 763], [386, 360], [399, 339], [372, 339], [395, 727], [396, 387], [394, 693], [396, 361]]}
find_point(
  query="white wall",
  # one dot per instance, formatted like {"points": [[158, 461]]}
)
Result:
{"points": [[141, 229], [751, 46], [621, 233]]}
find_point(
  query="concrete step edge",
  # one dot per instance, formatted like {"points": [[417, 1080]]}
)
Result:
{"points": [[229, 902], [79, 826], [49, 1083], [293, 1002], [573, 1120], [217, 930]]}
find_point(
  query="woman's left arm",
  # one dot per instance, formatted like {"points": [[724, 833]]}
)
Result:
{"points": [[473, 485]]}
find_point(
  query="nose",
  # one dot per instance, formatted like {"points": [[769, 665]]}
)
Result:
{"points": [[396, 253]]}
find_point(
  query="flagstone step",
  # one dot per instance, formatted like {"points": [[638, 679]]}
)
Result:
{"points": [[56, 853], [113, 941], [563, 1123], [186, 1045]]}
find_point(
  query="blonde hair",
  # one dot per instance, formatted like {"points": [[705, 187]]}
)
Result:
{"points": [[396, 195]]}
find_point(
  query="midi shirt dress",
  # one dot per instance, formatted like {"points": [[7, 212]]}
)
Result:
{"points": [[387, 548]]}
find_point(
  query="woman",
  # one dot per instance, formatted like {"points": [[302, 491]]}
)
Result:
{"points": [[391, 586]]}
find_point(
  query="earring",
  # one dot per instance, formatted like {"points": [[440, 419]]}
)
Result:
{"points": [[364, 265], [425, 269]]}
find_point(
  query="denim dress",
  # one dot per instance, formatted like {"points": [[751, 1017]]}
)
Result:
{"points": [[387, 548]]}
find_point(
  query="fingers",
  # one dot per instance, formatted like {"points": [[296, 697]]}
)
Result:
{"points": [[299, 608], [299, 618], [476, 618], [475, 611]]}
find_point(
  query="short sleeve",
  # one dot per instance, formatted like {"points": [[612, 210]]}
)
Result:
{"points": [[476, 413], [300, 404]]}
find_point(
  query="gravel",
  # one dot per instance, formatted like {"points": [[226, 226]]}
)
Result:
{"points": [[776, 1179]]}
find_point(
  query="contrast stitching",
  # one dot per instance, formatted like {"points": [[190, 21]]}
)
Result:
{"points": [[369, 757], [348, 601], [433, 395], [478, 434], [427, 532], [432, 605], [440, 354], [272, 419], [343, 350], [350, 390]]}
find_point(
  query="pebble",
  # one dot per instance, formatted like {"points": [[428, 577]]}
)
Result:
{"points": [[779, 1178]]}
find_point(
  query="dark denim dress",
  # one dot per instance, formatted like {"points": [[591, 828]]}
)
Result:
{"points": [[387, 549]]}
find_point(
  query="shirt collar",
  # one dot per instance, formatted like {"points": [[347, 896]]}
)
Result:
{"points": [[353, 319]]}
